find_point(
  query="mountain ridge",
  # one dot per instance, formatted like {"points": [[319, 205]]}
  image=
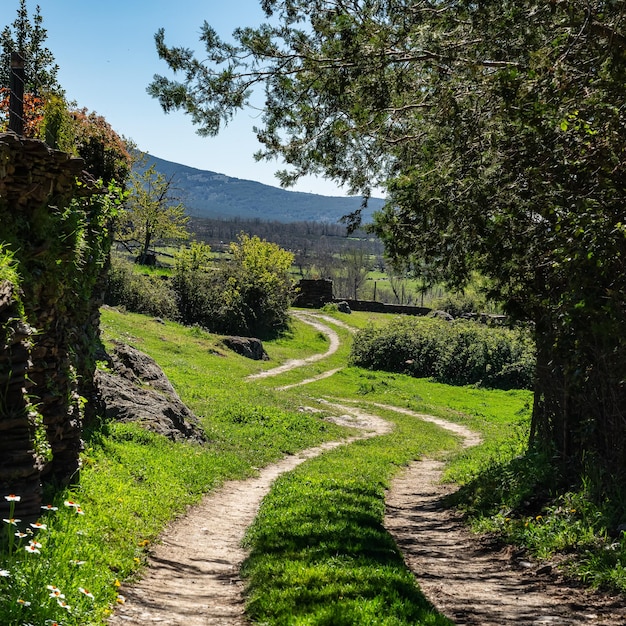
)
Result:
{"points": [[211, 194]]}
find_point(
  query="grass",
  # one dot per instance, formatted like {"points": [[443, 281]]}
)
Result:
{"points": [[319, 553]]}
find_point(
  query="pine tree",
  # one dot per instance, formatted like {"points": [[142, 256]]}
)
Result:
{"points": [[27, 36]]}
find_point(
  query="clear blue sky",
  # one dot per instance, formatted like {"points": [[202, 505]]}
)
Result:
{"points": [[106, 54]]}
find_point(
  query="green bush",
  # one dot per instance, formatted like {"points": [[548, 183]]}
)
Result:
{"points": [[249, 294], [457, 353], [139, 293], [458, 305]]}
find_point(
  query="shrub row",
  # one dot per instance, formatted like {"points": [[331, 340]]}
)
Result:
{"points": [[456, 353]]}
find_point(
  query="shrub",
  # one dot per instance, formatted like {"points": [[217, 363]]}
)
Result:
{"points": [[139, 293], [248, 295], [458, 353], [458, 305]]}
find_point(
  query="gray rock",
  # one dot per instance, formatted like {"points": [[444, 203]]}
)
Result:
{"points": [[137, 390], [249, 347]]}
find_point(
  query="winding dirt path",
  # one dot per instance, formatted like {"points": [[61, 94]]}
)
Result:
{"points": [[192, 577], [466, 578]]}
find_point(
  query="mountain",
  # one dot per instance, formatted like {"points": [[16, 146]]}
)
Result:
{"points": [[209, 194]]}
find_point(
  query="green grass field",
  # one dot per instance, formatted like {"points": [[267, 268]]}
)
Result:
{"points": [[335, 564]]}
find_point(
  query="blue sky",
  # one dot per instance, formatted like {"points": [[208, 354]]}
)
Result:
{"points": [[106, 54]]}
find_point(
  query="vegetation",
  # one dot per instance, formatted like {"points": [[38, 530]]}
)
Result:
{"points": [[457, 353], [27, 36], [248, 294], [150, 215], [501, 147]]}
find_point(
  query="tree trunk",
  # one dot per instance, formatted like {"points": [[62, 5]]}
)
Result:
{"points": [[579, 412]]}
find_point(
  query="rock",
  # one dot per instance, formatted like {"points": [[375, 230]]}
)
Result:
{"points": [[137, 390], [343, 307], [442, 315], [249, 347]]}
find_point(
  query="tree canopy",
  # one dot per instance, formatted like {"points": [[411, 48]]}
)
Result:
{"points": [[499, 131], [152, 215]]}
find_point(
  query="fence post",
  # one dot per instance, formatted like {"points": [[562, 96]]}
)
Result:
{"points": [[16, 100]]}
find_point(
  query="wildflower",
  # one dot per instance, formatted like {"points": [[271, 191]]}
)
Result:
{"points": [[23, 602], [79, 511], [86, 592], [56, 593], [36, 544], [71, 504], [32, 548], [49, 507], [136, 560], [39, 526], [120, 599], [12, 521], [117, 583], [63, 604], [20, 535], [539, 518], [12, 498], [77, 562], [4, 573]]}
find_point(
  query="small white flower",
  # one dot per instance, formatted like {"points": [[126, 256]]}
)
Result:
{"points": [[32, 548], [21, 535], [38, 526], [86, 592], [5, 573], [49, 507], [23, 602], [64, 605], [12, 521], [13, 498]]}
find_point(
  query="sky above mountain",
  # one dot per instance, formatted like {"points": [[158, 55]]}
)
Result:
{"points": [[107, 57]]}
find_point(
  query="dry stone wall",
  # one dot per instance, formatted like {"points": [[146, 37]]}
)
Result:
{"points": [[53, 238]]}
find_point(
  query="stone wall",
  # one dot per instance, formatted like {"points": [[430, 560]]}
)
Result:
{"points": [[51, 232]]}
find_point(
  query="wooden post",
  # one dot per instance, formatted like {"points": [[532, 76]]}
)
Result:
{"points": [[16, 100]]}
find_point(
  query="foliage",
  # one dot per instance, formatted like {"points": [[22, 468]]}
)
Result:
{"points": [[34, 109], [138, 292], [104, 151], [498, 130], [27, 36], [461, 304], [458, 353], [82, 134], [151, 215], [248, 294], [193, 282]]}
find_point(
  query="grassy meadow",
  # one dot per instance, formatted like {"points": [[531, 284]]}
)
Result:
{"points": [[318, 551]]}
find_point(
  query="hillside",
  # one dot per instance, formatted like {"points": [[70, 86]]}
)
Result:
{"points": [[209, 194]]}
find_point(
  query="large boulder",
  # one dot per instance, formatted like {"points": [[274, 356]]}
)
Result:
{"points": [[137, 390], [249, 347]]}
